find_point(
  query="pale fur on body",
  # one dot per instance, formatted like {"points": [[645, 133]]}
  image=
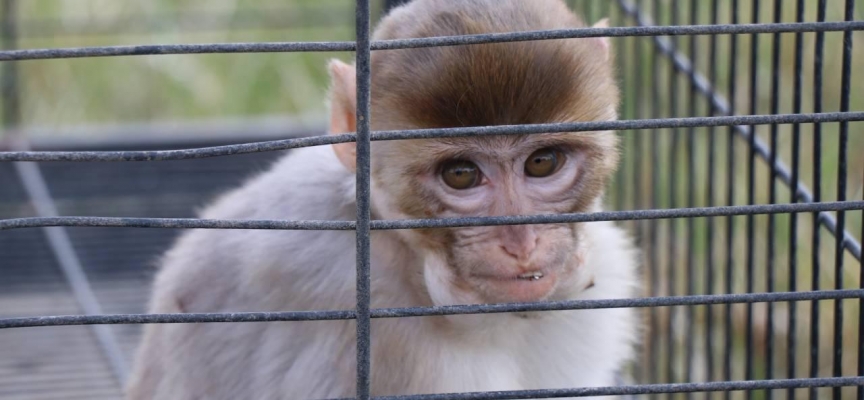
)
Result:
{"points": [[231, 271]]}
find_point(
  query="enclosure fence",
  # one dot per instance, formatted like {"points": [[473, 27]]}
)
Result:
{"points": [[828, 215]]}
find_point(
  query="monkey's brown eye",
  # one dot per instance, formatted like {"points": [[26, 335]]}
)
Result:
{"points": [[543, 162], [461, 174]]}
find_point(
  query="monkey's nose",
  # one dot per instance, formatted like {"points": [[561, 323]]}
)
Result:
{"points": [[521, 250], [518, 242]]}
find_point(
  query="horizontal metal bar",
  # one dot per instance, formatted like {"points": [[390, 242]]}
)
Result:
{"points": [[122, 319], [174, 223], [641, 302], [634, 215], [194, 223], [393, 44], [293, 143], [725, 386]]}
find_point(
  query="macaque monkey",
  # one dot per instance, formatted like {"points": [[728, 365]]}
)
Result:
{"points": [[458, 86]]}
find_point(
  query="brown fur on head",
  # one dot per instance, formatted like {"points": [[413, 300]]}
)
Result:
{"points": [[489, 84]]}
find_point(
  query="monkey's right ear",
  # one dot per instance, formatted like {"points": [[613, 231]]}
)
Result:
{"points": [[343, 106], [604, 42]]}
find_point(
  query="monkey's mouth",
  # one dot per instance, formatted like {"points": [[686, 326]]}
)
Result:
{"points": [[531, 276], [527, 286]]}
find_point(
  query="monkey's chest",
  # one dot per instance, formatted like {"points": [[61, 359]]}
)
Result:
{"points": [[431, 364]]}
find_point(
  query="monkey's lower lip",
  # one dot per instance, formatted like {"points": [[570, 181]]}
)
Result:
{"points": [[527, 276], [530, 286]]}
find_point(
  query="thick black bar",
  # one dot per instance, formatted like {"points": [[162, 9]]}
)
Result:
{"points": [[285, 144], [819, 53], [630, 215], [403, 312], [364, 80], [730, 200], [751, 199], [798, 84], [776, 47], [394, 44], [839, 253]]}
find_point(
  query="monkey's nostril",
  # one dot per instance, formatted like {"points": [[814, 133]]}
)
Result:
{"points": [[511, 252], [521, 251]]}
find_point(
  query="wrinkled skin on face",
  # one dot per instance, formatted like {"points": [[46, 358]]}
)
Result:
{"points": [[497, 263]]}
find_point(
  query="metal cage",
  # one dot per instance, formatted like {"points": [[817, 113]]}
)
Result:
{"points": [[738, 179]]}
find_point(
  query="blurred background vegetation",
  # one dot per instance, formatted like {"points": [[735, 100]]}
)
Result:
{"points": [[682, 256]]}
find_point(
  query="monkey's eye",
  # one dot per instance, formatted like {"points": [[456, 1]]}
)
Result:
{"points": [[544, 162], [460, 174]]}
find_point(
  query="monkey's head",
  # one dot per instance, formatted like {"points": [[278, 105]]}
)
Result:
{"points": [[480, 85]]}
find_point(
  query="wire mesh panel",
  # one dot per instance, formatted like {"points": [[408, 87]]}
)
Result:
{"points": [[741, 177], [737, 74]]}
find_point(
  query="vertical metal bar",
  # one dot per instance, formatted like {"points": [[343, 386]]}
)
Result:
{"points": [[817, 194], [636, 153], [751, 197], [776, 47], [672, 192], [363, 56], [839, 253], [798, 84], [730, 200], [691, 202], [611, 13], [638, 167], [712, 145], [624, 135], [654, 225]]}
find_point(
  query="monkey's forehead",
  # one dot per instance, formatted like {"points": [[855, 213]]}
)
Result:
{"points": [[491, 84]]}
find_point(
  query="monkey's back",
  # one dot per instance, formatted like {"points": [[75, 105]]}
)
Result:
{"points": [[245, 270]]}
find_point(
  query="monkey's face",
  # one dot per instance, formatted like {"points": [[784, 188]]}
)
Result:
{"points": [[469, 177]]}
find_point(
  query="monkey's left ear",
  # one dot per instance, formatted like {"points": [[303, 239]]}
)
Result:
{"points": [[343, 105], [604, 42]]}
